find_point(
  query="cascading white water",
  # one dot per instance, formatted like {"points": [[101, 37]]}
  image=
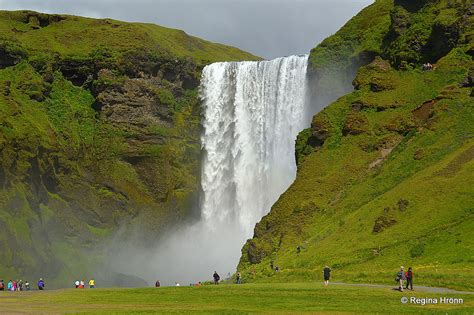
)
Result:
{"points": [[253, 112]]}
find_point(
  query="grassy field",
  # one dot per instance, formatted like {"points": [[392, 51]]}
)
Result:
{"points": [[228, 299]]}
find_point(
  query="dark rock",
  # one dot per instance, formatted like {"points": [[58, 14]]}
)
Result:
{"points": [[383, 222], [6, 88], [356, 123], [320, 130], [468, 80], [10, 54], [402, 204]]}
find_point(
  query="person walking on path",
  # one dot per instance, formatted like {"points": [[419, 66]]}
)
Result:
{"points": [[326, 275], [409, 276], [216, 277], [239, 278], [401, 277], [41, 284]]}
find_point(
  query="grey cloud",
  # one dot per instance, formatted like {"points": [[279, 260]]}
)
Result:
{"points": [[264, 27]]}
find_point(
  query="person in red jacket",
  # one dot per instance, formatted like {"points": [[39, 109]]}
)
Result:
{"points": [[409, 275]]}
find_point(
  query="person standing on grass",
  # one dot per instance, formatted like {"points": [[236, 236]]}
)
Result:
{"points": [[326, 275], [91, 283], [41, 284], [27, 285], [401, 277], [2, 285], [157, 284], [216, 277], [239, 278], [409, 276], [10, 285]]}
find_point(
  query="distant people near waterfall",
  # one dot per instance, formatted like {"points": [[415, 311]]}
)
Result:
{"points": [[77, 283], [92, 283], [216, 277], [27, 285], [239, 278], [41, 284], [10, 285], [157, 284], [2, 285], [326, 275], [20, 285]]}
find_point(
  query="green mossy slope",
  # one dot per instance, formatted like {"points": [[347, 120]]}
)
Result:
{"points": [[385, 172], [99, 129]]}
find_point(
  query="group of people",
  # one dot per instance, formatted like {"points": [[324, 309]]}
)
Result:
{"points": [[81, 284], [403, 276], [19, 285], [427, 66]]}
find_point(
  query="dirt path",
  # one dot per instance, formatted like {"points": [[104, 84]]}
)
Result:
{"points": [[418, 288]]}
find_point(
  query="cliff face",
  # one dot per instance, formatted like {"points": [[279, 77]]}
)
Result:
{"points": [[385, 172], [99, 129]]}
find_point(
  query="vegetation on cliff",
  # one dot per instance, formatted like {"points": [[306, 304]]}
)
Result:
{"points": [[385, 172], [99, 128]]}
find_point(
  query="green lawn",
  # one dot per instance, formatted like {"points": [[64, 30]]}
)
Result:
{"points": [[228, 299]]}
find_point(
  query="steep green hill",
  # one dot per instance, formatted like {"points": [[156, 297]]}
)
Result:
{"points": [[385, 173], [99, 128]]}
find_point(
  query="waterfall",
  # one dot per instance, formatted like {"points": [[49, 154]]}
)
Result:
{"points": [[253, 112]]}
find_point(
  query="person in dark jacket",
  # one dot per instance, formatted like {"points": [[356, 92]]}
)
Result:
{"points": [[409, 276], [157, 284], [41, 284], [326, 275], [216, 277]]}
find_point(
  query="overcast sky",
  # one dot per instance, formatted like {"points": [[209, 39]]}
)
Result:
{"points": [[267, 28]]}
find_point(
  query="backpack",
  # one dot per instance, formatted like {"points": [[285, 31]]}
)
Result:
{"points": [[399, 276]]}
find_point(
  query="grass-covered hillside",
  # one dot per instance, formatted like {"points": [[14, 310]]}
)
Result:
{"points": [[99, 128], [385, 173]]}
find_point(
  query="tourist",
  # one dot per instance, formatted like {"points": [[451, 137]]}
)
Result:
{"points": [[326, 275], [177, 284], [400, 278], [27, 285], [157, 284], [409, 277], [82, 284], [76, 284], [216, 277], [2, 285], [91, 283], [277, 269], [239, 277], [41, 284], [20, 285], [13, 285], [10, 285]]}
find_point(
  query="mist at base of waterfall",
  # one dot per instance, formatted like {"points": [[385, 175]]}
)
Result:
{"points": [[252, 114]]}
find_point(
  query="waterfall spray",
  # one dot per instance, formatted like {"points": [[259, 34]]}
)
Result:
{"points": [[252, 113]]}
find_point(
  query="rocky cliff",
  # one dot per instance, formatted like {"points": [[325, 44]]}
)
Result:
{"points": [[385, 172], [99, 129]]}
